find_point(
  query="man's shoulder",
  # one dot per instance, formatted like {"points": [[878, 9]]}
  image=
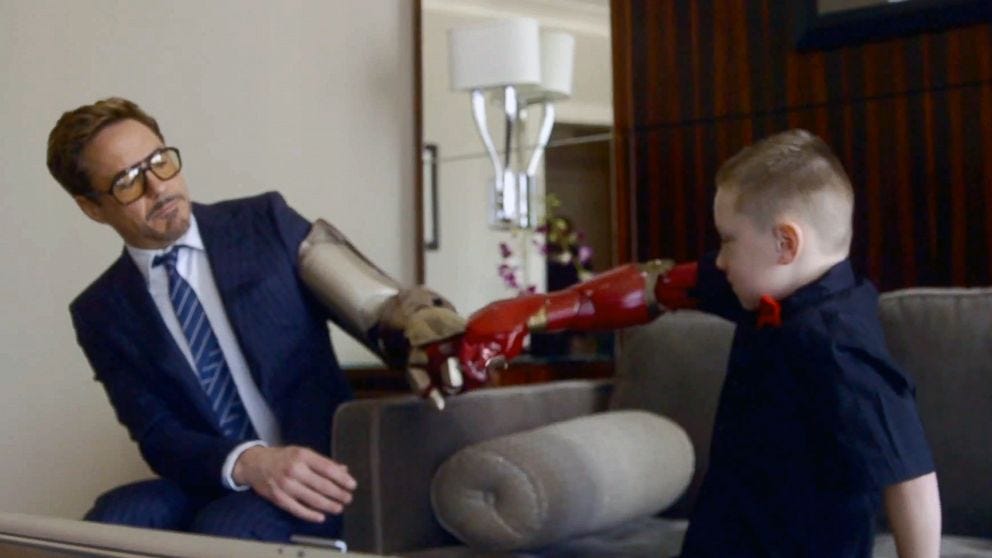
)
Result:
{"points": [[259, 203], [94, 298], [262, 215]]}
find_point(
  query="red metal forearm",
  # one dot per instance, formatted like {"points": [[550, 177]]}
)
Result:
{"points": [[624, 296], [621, 297], [616, 298]]}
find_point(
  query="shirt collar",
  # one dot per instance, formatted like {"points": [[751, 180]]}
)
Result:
{"points": [[771, 312], [143, 257], [838, 278]]}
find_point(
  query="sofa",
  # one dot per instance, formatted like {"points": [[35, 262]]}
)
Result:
{"points": [[672, 367]]}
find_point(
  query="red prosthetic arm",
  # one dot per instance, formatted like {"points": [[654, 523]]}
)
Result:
{"points": [[627, 295]]}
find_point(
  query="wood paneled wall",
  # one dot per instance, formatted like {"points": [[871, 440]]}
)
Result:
{"points": [[910, 118]]}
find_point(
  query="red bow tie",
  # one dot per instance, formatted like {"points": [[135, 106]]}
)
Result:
{"points": [[769, 312]]}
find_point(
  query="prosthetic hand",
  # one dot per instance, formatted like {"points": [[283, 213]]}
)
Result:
{"points": [[624, 296], [410, 329]]}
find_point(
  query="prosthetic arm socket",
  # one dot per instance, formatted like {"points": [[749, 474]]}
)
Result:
{"points": [[367, 303]]}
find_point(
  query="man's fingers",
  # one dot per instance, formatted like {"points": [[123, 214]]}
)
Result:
{"points": [[422, 385], [309, 494], [289, 503], [332, 471], [302, 482], [436, 399], [313, 499], [451, 376], [419, 379], [337, 490]]}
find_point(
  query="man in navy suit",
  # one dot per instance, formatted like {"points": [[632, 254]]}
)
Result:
{"points": [[214, 354]]}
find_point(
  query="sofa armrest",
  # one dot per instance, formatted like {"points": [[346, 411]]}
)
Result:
{"points": [[393, 446]]}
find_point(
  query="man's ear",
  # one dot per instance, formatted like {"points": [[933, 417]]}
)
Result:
{"points": [[92, 209], [789, 241]]}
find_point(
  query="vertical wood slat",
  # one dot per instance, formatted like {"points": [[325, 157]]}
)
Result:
{"points": [[959, 215], [871, 185], [910, 119], [625, 163], [985, 117], [930, 155], [905, 227]]}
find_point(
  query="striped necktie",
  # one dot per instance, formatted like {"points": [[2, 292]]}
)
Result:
{"points": [[211, 368]]}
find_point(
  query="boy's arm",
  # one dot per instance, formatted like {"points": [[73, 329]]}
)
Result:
{"points": [[623, 296], [913, 509]]}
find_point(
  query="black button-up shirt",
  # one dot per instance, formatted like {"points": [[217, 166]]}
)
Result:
{"points": [[814, 420]]}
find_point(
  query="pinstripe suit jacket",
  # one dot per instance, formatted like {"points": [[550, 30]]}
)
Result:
{"points": [[251, 244]]}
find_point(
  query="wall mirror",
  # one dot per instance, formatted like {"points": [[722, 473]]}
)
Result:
{"points": [[463, 256]]}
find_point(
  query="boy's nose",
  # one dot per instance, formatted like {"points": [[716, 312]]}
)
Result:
{"points": [[719, 261]]}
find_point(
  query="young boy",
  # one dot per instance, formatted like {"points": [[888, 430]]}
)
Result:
{"points": [[815, 420]]}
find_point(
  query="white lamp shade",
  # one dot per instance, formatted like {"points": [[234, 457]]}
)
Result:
{"points": [[495, 54], [557, 62]]}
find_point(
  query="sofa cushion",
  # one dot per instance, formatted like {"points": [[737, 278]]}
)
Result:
{"points": [[394, 445], [647, 537], [534, 488], [674, 366], [943, 339]]}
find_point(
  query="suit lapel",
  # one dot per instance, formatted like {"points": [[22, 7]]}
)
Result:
{"points": [[233, 264], [152, 336]]}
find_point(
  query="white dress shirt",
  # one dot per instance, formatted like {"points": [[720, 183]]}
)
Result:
{"points": [[192, 264]]}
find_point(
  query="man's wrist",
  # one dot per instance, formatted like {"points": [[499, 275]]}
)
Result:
{"points": [[227, 471]]}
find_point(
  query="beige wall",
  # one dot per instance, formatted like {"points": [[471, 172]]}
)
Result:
{"points": [[310, 98]]}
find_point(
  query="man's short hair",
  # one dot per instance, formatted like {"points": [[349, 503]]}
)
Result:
{"points": [[76, 128], [792, 172]]}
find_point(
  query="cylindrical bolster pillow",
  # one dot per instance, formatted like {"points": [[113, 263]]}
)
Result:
{"points": [[534, 488]]}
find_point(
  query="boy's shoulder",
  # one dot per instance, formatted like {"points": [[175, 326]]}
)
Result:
{"points": [[846, 317], [844, 332]]}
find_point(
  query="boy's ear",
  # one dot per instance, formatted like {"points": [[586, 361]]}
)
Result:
{"points": [[789, 240]]}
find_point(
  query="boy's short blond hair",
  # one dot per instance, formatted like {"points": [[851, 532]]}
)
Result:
{"points": [[792, 173]]}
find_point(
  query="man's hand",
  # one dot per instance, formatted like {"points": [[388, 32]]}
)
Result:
{"points": [[415, 329], [296, 479], [470, 359]]}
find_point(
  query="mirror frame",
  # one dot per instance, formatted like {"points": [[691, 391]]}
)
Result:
{"points": [[419, 271]]}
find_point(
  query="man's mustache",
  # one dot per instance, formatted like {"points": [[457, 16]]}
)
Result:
{"points": [[160, 204]]}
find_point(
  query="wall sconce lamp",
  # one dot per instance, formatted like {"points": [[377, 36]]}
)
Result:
{"points": [[517, 65]]}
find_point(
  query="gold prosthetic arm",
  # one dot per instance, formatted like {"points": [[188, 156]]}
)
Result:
{"points": [[375, 309]]}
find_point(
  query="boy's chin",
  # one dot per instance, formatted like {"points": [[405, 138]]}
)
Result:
{"points": [[748, 302]]}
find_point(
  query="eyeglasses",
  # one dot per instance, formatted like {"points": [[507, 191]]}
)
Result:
{"points": [[130, 183]]}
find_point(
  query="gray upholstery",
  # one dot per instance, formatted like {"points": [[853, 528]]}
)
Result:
{"points": [[674, 366], [535, 488], [393, 446], [943, 337], [647, 537]]}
